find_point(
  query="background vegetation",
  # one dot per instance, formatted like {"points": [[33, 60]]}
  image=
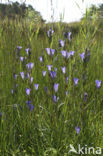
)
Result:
{"points": [[19, 11]]}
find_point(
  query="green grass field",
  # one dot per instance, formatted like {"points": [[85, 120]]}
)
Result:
{"points": [[37, 116]]}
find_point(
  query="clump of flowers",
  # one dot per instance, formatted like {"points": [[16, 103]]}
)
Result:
{"points": [[36, 86], [98, 83], [56, 85], [30, 65], [61, 43], [55, 98], [76, 81], [22, 75], [44, 73], [50, 32], [85, 96], [67, 35], [28, 90], [63, 70], [77, 129], [30, 106], [49, 67], [64, 53]]}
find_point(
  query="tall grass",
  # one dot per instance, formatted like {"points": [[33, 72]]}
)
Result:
{"points": [[50, 127]]}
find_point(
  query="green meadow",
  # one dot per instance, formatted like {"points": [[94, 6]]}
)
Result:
{"points": [[41, 115]]}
